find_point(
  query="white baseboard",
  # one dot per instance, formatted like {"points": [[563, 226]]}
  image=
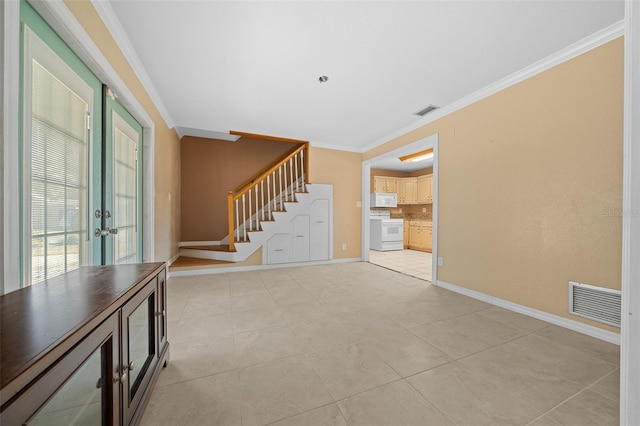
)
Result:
{"points": [[222, 270], [589, 330], [198, 243], [173, 259]]}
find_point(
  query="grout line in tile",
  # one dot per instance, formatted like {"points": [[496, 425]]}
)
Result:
{"points": [[616, 371]]}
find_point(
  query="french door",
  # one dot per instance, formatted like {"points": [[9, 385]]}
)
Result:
{"points": [[80, 167]]}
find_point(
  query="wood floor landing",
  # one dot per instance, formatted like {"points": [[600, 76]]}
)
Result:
{"points": [[182, 262]]}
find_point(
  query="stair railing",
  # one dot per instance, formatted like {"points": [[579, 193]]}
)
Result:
{"points": [[259, 197]]}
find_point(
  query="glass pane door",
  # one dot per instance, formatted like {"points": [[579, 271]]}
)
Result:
{"points": [[60, 131], [81, 190], [123, 184]]}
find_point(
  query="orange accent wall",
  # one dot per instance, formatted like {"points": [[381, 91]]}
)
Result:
{"points": [[209, 169]]}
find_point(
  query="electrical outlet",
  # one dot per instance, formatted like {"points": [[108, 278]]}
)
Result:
{"points": [[344, 246], [359, 204], [399, 210], [440, 261], [424, 210]]}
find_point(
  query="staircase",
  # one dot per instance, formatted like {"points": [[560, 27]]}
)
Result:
{"points": [[262, 207]]}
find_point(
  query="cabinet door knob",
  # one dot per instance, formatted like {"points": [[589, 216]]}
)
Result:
{"points": [[120, 378], [131, 366]]}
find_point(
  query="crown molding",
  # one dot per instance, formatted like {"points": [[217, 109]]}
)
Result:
{"points": [[588, 43], [118, 33], [336, 147]]}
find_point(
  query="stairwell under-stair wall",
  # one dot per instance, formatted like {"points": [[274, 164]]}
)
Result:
{"points": [[210, 168]]}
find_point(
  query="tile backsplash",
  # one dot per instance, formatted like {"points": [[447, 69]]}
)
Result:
{"points": [[414, 211]]}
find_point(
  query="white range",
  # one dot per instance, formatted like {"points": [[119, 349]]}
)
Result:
{"points": [[386, 233]]}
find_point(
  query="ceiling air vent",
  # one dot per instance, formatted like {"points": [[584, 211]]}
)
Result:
{"points": [[595, 303], [426, 110]]}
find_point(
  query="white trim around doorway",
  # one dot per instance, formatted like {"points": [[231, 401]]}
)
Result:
{"points": [[420, 145], [630, 328]]}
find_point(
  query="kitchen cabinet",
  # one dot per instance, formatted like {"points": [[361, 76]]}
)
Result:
{"points": [[426, 236], [83, 347], [385, 184], [420, 235], [425, 189], [407, 190], [406, 235]]}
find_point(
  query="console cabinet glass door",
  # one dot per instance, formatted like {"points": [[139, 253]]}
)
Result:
{"points": [[139, 351], [81, 386]]}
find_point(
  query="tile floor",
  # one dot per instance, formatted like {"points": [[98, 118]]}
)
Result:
{"points": [[410, 262], [357, 344]]}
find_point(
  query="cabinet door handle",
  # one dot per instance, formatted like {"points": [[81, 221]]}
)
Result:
{"points": [[120, 378], [131, 366], [299, 236], [279, 249]]}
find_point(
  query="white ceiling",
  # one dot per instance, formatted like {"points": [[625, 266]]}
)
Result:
{"points": [[396, 165], [253, 66]]}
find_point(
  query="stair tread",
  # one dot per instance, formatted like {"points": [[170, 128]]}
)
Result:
{"points": [[209, 248]]}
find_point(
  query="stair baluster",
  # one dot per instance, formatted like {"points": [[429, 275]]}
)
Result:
{"points": [[284, 178]]}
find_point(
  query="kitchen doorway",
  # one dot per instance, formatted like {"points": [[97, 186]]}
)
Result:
{"points": [[408, 176]]}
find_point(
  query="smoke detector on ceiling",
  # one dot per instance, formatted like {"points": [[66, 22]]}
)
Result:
{"points": [[426, 110]]}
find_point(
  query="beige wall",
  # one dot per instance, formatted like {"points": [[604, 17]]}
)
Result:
{"points": [[167, 143], [530, 180], [210, 168], [343, 170]]}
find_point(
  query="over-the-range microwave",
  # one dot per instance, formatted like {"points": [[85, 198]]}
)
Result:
{"points": [[383, 199]]}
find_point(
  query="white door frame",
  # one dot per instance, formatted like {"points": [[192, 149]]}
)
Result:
{"points": [[630, 329], [420, 145], [60, 18]]}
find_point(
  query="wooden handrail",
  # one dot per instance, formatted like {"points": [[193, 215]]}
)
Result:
{"points": [[267, 137], [275, 163], [271, 169]]}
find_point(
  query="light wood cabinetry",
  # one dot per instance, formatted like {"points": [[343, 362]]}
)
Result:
{"points": [[420, 235], [410, 190], [407, 190], [385, 184], [425, 189], [406, 235]]}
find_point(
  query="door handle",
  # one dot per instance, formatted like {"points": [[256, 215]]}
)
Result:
{"points": [[104, 232]]}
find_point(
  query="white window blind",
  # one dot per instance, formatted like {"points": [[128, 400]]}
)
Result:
{"points": [[59, 173]]}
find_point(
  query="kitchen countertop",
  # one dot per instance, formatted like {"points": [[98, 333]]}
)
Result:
{"points": [[412, 216]]}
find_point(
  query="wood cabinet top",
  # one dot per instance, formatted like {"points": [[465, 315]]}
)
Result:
{"points": [[46, 317]]}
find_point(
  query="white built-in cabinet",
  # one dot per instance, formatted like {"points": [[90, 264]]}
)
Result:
{"points": [[308, 237], [279, 248], [300, 232], [320, 215]]}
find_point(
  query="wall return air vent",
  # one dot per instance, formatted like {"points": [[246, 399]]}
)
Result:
{"points": [[595, 303]]}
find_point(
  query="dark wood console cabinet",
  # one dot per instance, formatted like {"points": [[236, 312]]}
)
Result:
{"points": [[83, 348]]}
